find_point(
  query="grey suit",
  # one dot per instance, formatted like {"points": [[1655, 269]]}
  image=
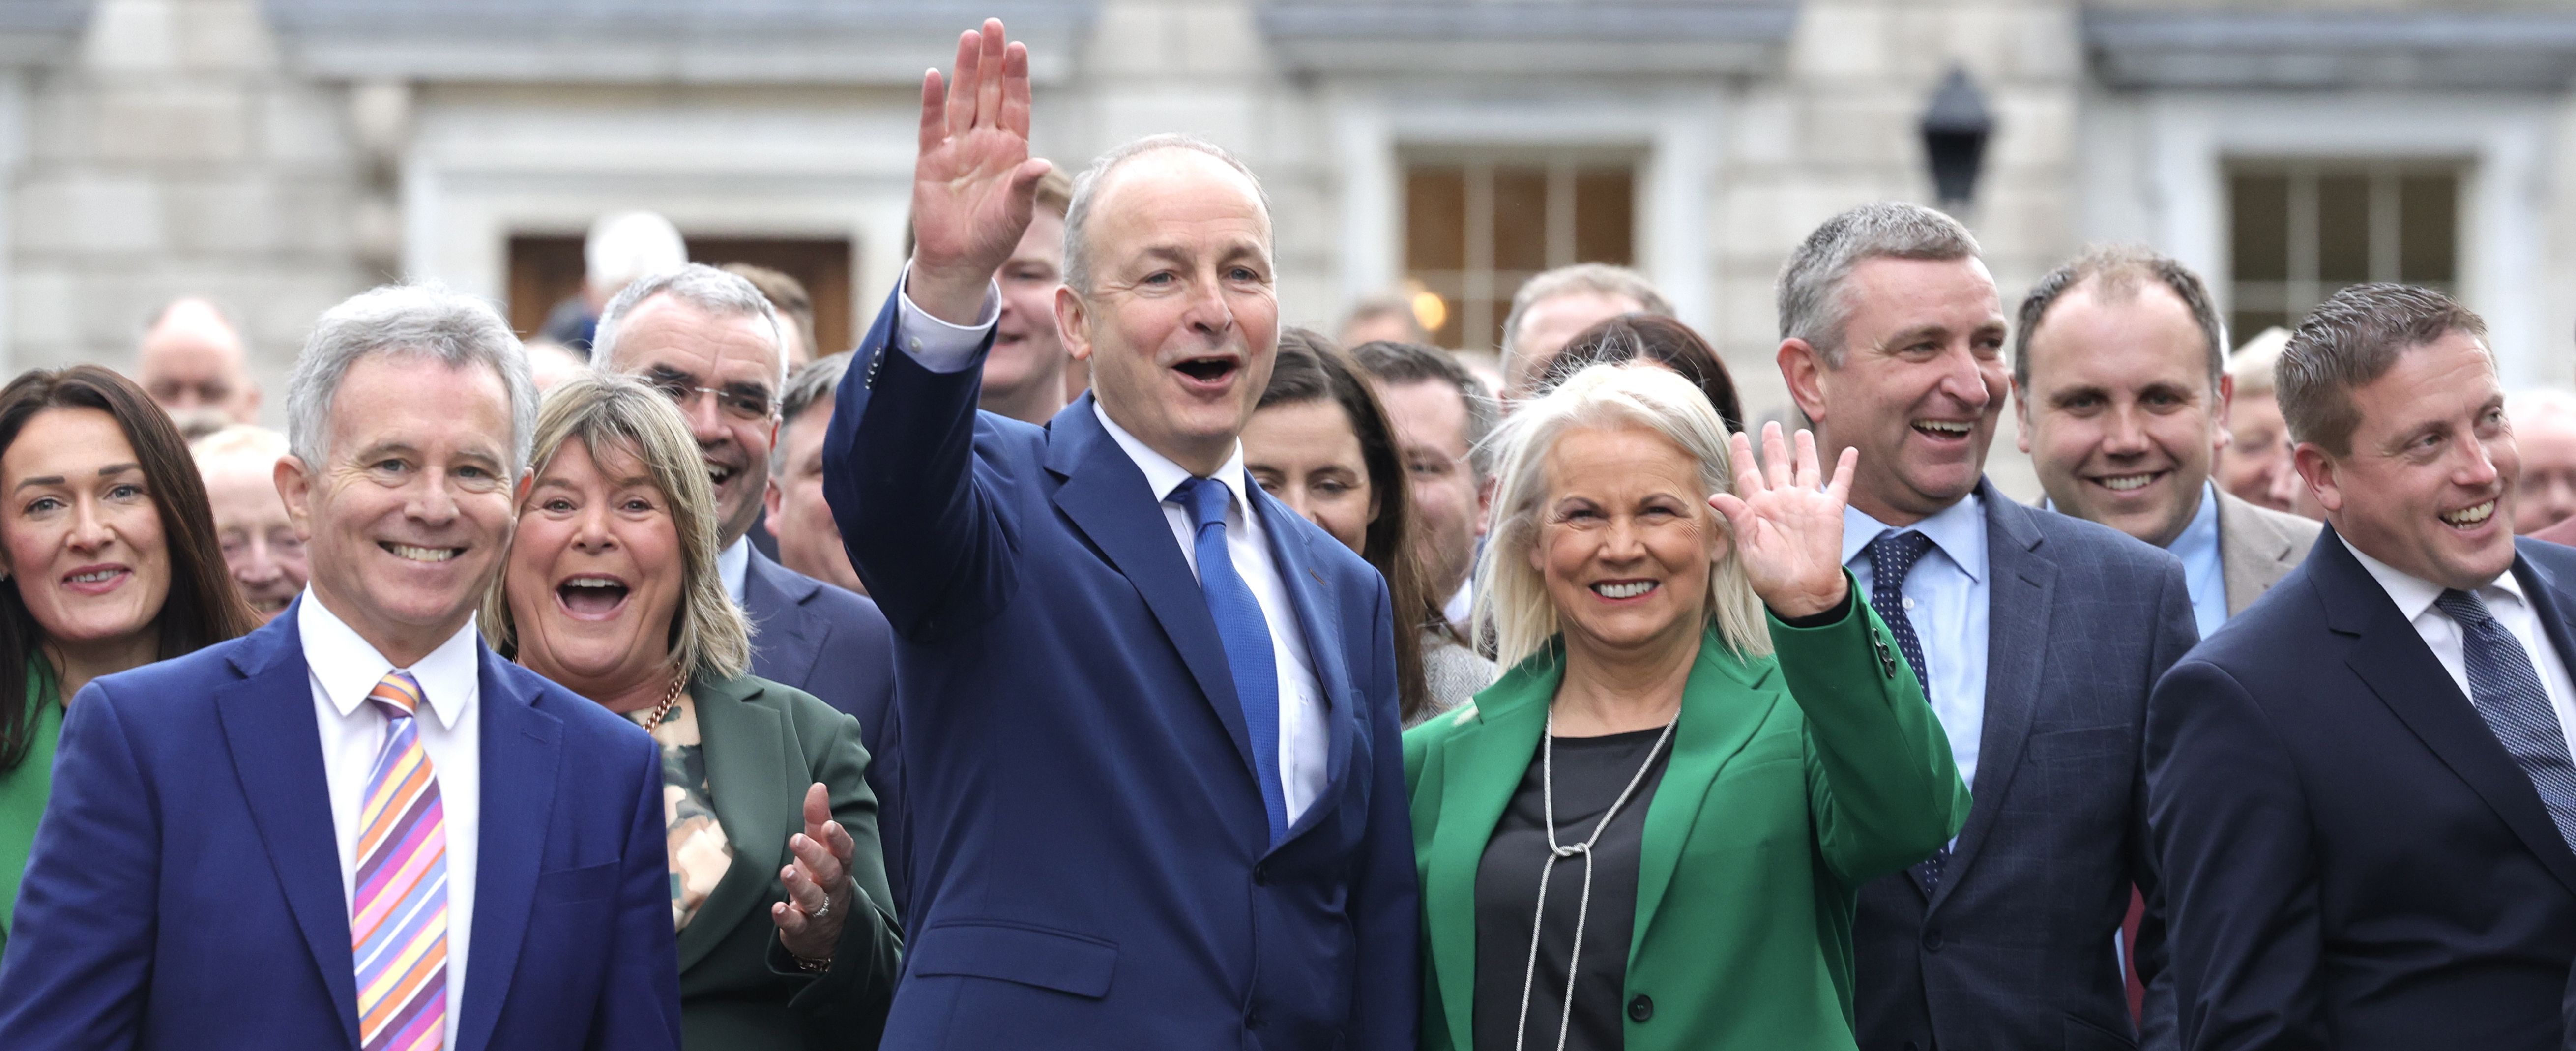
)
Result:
{"points": [[2014, 950], [2257, 546]]}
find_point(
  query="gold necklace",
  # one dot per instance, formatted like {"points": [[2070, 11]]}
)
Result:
{"points": [[670, 698]]}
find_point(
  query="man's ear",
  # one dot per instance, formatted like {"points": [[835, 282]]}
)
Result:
{"points": [[1485, 506], [2317, 470], [772, 499], [1802, 367], [2021, 415], [1072, 323], [294, 483], [2226, 405]]}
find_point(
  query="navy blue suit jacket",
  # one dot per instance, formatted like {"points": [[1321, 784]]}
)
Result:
{"points": [[833, 643], [2015, 948], [2352, 859], [1090, 864], [184, 890]]}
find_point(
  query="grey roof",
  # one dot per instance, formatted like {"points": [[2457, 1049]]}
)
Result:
{"points": [[712, 41], [2511, 48], [1518, 37]]}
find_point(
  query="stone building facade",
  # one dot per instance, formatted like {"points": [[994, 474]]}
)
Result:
{"points": [[280, 154]]}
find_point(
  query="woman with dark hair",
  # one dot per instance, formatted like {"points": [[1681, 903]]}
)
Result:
{"points": [[111, 563], [1320, 442], [1654, 338]]}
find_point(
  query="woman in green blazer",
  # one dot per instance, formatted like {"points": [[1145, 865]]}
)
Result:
{"points": [[786, 936], [1650, 832], [108, 561]]}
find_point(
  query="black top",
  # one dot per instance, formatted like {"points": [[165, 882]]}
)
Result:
{"points": [[1590, 774]]}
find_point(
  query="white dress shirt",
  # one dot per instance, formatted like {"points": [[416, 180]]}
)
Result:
{"points": [[344, 669], [2414, 597], [1947, 601], [733, 566], [1303, 736]]}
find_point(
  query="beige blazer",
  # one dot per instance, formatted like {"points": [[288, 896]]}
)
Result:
{"points": [[2257, 546]]}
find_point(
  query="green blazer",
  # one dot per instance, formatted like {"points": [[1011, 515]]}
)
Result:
{"points": [[23, 792], [1794, 779], [763, 744]]}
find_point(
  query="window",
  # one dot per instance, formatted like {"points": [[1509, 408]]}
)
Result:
{"points": [[1475, 229], [547, 270], [2300, 231]]}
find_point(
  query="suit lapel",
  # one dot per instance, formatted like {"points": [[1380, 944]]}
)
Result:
{"points": [[1483, 765], [276, 745], [1723, 703], [2392, 659], [758, 794], [1320, 619], [1105, 496], [2019, 585], [781, 612], [521, 750]]}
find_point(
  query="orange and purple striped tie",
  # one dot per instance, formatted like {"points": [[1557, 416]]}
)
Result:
{"points": [[398, 915]]}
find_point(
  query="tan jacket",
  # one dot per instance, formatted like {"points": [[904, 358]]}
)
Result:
{"points": [[2257, 546]]}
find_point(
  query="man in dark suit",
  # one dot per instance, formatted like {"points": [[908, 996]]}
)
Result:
{"points": [[2362, 793], [357, 826], [711, 341], [1149, 714], [2036, 635]]}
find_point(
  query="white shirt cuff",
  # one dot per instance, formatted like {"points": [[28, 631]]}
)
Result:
{"points": [[938, 345]]}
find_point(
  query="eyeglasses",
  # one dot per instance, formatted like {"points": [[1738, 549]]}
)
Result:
{"points": [[736, 402]]}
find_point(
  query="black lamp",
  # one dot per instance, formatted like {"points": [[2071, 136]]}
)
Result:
{"points": [[1955, 129]]}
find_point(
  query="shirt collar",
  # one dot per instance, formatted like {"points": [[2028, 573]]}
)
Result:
{"points": [[2413, 594], [2199, 538], [1959, 530], [1163, 476], [733, 564], [349, 667]]}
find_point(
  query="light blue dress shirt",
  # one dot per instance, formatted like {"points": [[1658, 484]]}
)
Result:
{"points": [[1945, 600], [2203, 574]]}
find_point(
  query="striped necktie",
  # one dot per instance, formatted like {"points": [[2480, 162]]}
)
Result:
{"points": [[398, 914]]}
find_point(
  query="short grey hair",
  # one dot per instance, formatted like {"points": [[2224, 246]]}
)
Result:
{"points": [[1812, 306], [699, 285], [1086, 188], [1511, 596], [1594, 278], [2117, 273], [813, 385], [418, 321], [2352, 339]]}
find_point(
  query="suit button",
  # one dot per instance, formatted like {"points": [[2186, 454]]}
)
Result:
{"points": [[1932, 939], [1260, 875], [1641, 1008], [1252, 1020]]}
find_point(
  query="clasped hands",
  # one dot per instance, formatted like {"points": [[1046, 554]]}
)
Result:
{"points": [[1788, 523]]}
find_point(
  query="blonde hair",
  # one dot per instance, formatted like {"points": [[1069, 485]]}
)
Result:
{"points": [[1513, 598], [709, 635], [2252, 364]]}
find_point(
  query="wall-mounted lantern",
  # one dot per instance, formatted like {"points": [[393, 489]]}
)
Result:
{"points": [[1955, 129]]}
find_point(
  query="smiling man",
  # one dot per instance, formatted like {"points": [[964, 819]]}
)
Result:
{"points": [[2362, 789], [2036, 637], [2119, 374], [280, 841], [1149, 713]]}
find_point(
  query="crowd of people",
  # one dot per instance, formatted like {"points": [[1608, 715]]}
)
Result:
{"points": [[1088, 660]]}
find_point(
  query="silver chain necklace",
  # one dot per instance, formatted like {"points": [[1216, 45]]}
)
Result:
{"points": [[1557, 852]]}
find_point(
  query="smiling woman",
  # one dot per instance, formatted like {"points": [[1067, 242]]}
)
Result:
{"points": [[110, 560], [611, 589]]}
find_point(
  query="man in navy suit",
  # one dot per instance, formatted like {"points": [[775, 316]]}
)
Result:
{"points": [[2362, 793], [2037, 638], [1149, 714], [356, 826]]}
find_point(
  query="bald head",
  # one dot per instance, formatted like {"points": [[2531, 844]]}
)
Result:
{"points": [[1158, 165], [192, 362]]}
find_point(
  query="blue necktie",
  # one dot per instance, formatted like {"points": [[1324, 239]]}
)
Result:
{"points": [[2506, 690], [1246, 635], [1891, 556]]}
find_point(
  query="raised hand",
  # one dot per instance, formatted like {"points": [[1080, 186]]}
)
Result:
{"points": [[1788, 523], [819, 892], [975, 182]]}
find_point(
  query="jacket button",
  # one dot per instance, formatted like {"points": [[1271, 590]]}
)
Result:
{"points": [[1252, 1020], [1932, 939], [1261, 875], [1641, 1008]]}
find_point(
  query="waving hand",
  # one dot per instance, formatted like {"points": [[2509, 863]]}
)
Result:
{"points": [[1788, 523], [975, 183]]}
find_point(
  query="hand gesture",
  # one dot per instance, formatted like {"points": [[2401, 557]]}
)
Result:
{"points": [[1788, 523], [809, 921], [974, 183]]}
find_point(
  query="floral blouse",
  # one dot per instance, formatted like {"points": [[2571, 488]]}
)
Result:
{"points": [[700, 853]]}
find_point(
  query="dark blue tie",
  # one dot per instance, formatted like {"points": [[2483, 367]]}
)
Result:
{"points": [[1891, 556], [1246, 635], [2506, 690]]}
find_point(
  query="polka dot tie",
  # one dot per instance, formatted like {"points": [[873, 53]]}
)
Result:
{"points": [[1891, 556], [2506, 691]]}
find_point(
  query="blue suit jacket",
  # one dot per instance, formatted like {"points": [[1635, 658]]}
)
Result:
{"points": [[2352, 859], [2015, 948], [1090, 864], [184, 891]]}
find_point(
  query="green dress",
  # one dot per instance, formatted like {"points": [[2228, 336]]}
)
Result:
{"points": [[23, 792]]}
